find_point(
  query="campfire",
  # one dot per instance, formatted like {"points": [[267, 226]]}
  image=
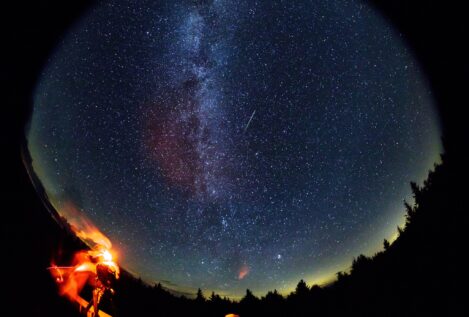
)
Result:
{"points": [[95, 267]]}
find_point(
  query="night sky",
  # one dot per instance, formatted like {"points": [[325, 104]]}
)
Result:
{"points": [[234, 144]]}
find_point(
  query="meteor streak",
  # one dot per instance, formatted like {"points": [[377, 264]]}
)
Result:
{"points": [[249, 122]]}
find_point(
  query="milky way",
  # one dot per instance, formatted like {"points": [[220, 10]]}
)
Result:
{"points": [[231, 145]]}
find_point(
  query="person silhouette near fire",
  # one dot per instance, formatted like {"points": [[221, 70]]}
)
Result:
{"points": [[107, 273]]}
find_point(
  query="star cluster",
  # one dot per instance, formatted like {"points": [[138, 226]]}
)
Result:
{"points": [[234, 144]]}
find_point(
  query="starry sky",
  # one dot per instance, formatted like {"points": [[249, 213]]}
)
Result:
{"points": [[234, 144]]}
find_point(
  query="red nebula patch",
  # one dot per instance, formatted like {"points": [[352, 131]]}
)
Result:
{"points": [[243, 271], [170, 141]]}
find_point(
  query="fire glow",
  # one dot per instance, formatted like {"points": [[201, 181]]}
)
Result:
{"points": [[93, 267], [84, 228]]}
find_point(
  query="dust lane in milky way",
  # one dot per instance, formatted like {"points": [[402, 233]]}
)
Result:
{"points": [[230, 145]]}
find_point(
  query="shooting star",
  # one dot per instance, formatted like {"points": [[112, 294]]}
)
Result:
{"points": [[249, 122]]}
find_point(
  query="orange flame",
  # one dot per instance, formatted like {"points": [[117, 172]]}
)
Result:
{"points": [[72, 279], [243, 271], [83, 227]]}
